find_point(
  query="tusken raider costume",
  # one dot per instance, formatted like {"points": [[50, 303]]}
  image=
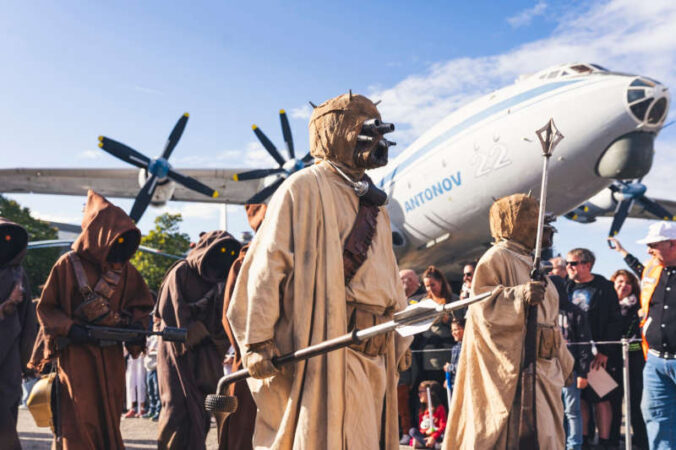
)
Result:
{"points": [[485, 399], [321, 264]]}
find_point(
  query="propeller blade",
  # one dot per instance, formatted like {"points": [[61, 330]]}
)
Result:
{"points": [[308, 158], [264, 193], [621, 214], [121, 151], [269, 146], [143, 199], [655, 208], [255, 174], [286, 131], [192, 183], [175, 135]]}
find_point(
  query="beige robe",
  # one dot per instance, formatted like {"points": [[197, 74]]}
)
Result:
{"points": [[492, 350], [291, 289]]}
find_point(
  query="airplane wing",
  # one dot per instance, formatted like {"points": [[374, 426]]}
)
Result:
{"points": [[123, 183], [64, 243], [638, 212]]}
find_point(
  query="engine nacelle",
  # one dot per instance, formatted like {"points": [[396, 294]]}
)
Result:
{"points": [[599, 205], [163, 192]]}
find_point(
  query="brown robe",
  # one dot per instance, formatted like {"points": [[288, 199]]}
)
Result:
{"points": [[236, 431], [291, 289], [491, 356], [187, 373], [92, 378], [17, 331]]}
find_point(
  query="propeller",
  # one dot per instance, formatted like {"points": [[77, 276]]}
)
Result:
{"points": [[158, 169], [286, 167], [629, 193]]}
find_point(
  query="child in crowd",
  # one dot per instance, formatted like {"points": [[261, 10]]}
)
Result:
{"points": [[430, 431], [457, 330], [150, 363]]}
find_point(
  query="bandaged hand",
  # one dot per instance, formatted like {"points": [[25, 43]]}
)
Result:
{"points": [[533, 293], [258, 359], [197, 332], [405, 360]]}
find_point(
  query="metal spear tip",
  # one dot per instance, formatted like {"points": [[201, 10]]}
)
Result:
{"points": [[549, 136]]}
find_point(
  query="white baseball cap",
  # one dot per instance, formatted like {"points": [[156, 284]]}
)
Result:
{"points": [[658, 232]]}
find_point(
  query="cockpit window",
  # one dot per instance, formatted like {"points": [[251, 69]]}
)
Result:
{"points": [[639, 109], [635, 94], [657, 111], [599, 67], [581, 68], [553, 74], [641, 82]]}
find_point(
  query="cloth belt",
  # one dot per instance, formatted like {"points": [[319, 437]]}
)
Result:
{"points": [[663, 355], [361, 316]]}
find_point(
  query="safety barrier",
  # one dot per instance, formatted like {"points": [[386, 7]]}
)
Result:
{"points": [[625, 375]]}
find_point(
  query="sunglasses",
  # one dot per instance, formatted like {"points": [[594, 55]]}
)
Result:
{"points": [[467, 274], [574, 263]]}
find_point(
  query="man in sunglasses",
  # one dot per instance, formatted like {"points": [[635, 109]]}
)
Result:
{"points": [[467, 275], [595, 295], [658, 305]]}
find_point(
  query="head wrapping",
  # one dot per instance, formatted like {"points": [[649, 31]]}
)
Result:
{"points": [[335, 125], [515, 218]]}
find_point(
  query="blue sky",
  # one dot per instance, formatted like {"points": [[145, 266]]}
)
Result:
{"points": [[75, 70]]}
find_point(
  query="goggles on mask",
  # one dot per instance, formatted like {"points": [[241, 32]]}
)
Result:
{"points": [[372, 148]]}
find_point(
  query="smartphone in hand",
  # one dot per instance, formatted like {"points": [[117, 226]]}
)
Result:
{"points": [[611, 243]]}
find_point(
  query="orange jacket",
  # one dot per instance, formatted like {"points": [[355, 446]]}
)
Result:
{"points": [[649, 281]]}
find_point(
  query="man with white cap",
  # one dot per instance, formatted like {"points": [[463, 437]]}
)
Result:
{"points": [[658, 304]]}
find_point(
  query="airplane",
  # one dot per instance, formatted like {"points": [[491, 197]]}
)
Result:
{"points": [[441, 187]]}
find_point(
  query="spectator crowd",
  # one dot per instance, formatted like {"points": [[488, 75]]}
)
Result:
{"points": [[595, 314]]}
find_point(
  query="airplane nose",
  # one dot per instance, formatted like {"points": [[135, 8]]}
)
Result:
{"points": [[648, 101]]}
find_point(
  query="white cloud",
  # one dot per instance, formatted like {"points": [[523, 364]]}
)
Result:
{"points": [[204, 211], [252, 155], [90, 154], [302, 112], [622, 35], [523, 18]]}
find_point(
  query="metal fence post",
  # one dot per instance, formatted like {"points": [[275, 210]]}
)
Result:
{"points": [[627, 398]]}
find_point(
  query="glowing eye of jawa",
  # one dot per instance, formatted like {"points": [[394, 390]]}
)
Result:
{"points": [[120, 240], [222, 249], [8, 237]]}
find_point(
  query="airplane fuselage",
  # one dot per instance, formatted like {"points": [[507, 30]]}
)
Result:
{"points": [[442, 186]]}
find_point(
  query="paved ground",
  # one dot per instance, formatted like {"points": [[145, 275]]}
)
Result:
{"points": [[138, 434]]}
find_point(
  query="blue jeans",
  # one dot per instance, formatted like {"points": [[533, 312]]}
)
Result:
{"points": [[154, 404], [659, 402], [572, 411]]}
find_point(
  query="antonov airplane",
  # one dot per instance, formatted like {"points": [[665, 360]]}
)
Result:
{"points": [[441, 187]]}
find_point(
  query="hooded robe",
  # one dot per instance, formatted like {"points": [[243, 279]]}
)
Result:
{"points": [[92, 378], [492, 346], [291, 291], [236, 430], [17, 329], [191, 296]]}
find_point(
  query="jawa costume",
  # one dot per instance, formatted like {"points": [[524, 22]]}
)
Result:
{"points": [[17, 328], [92, 377], [297, 288], [236, 431], [191, 296], [492, 347]]}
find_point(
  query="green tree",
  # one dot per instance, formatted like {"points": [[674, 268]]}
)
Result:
{"points": [[167, 238], [38, 262]]}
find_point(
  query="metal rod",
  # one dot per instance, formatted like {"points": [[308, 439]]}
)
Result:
{"points": [[350, 338], [541, 212], [627, 394]]}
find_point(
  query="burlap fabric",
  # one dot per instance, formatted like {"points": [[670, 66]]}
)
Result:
{"points": [[334, 127], [492, 347], [515, 217], [291, 290]]}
